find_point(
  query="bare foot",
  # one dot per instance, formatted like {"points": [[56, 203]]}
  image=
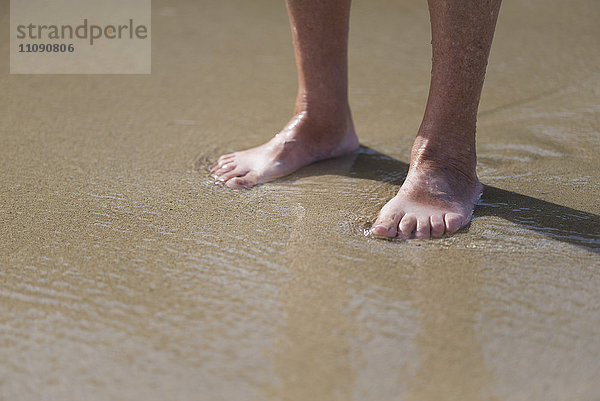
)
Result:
{"points": [[437, 198], [304, 140]]}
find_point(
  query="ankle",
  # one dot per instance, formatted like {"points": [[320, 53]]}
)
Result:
{"points": [[326, 106], [457, 158], [322, 120], [319, 137]]}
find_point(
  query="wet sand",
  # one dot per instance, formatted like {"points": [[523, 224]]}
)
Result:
{"points": [[127, 274]]}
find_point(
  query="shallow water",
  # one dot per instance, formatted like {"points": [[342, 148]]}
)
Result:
{"points": [[126, 273]]}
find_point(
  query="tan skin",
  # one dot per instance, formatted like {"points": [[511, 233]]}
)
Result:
{"points": [[441, 188]]}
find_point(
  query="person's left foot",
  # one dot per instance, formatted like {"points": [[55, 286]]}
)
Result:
{"points": [[436, 198]]}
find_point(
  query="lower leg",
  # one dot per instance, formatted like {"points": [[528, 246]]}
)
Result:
{"points": [[322, 125], [441, 188], [320, 37]]}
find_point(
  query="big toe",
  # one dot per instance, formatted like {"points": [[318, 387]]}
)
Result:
{"points": [[384, 229], [386, 225]]}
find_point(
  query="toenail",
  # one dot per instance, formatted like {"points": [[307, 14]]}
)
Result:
{"points": [[387, 229]]}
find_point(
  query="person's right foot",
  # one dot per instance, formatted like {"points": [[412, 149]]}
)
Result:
{"points": [[304, 140]]}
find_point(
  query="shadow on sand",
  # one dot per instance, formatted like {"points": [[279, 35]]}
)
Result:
{"points": [[549, 219]]}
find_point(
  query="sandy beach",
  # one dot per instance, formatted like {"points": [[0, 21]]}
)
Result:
{"points": [[126, 273]]}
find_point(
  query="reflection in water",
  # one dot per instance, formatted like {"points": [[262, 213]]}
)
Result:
{"points": [[312, 355], [448, 299]]}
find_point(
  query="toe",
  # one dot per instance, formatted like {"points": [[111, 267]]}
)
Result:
{"points": [[453, 222], [237, 172], [423, 228], [437, 225], [247, 181], [221, 161], [227, 156], [384, 229], [407, 225], [386, 225], [225, 168]]}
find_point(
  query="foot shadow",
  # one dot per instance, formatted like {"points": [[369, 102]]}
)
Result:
{"points": [[549, 219]]}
